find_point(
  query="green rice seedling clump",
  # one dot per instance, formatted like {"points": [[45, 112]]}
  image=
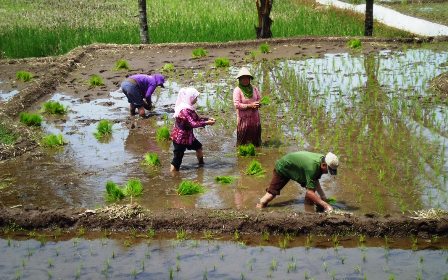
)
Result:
{"points": [[96, 80], [104, 128], [152, 159], [246, 150], [113, 192], [30, 119], [331, 200], [24, 76], [121, 64], [187, 187], [6, 136], [133, 188], [162, 133], [53, 140], [54, 108], [354, 44], [265, 48], [222, 62], [255, 168], [265, 100], [199, 52], [224, 179], [168, 67]]}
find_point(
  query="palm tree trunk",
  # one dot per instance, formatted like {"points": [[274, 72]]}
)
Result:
{"points": [[144, 35], [263, 29], [368, 31]]}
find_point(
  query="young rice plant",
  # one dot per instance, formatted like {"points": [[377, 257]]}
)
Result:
{"points": [[54, 108], [224, 179], [24, 76], [222, 62], [53, 140], [264, 48], [96, 80], [103, 129], [354, 44], [187, 187], [113, 192], [255, 168], [31, 119], [246, 150], [162, 133], [133, 188], [151, 159], [199, 52], [168, 67], [122, 64]]}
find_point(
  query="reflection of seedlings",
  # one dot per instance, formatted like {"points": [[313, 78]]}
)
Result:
{"points": [[274, 265], [255, 168], [30, 119], [54, 108], [121, 64], [224, 179], [199, 52], [96, 80], [162, 133], [50, 262], [222, 62], [53, 140], [103, 129], [188, 188], [265, 48], [246, 150], [113, 192], [171, 272], [24, 76], [168, 67], [152, 159]]}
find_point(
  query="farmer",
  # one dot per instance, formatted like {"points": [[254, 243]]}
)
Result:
{"points": [[306, 168], [246, 100], [182, 133], [138, 89]]}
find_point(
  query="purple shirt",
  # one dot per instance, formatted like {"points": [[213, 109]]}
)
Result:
{"points": [[148, 83]]}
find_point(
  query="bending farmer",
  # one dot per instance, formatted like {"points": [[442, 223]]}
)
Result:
{"points": [[306, 168]]}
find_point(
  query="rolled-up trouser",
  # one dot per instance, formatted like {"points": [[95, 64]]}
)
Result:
{"points": [[179, 151], [132, 92], [277, 183]]}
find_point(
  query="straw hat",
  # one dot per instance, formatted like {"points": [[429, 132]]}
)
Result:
{"points": [[332, 162], [244, 72]]}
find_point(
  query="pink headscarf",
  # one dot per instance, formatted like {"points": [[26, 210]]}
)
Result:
{"points": [[185, 100]]}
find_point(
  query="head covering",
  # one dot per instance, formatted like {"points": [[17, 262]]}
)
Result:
{"points": [[247, 90], [160, 79], [332, 162], [185, 100], [244, 72]]}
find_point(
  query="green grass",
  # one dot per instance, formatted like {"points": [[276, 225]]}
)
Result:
{"points": [[113, 192], [224, 179], [95, 80], [264, 48], [24, 76], [84, 22], [121, 64], [188, 188], [199, 52], [246, 150], [54, 108], [222, 62], [162, 133], [103, 129], [255, 168], [151, 159], [31, 119], [7, 137], [354, 44], [53, 140], [133, 188]]}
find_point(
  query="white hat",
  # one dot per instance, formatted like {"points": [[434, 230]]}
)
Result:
{"points": [[332, 162], [244, 72]]}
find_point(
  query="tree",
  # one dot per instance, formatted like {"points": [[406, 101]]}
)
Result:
{"points": [[264, 21], [368, 31], [144, 35]]}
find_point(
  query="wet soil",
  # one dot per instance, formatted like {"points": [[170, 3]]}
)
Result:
{"points": [[70, 73]]}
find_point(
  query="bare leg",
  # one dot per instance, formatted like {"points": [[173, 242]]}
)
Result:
{"points": [[141, 111], [264, 201], [173, 169], [200, 156]]}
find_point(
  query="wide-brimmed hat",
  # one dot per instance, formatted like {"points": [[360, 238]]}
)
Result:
{"points": [[244, 72], [332, 162]]}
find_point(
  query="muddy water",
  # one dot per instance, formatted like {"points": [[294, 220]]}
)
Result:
{"points": [[375, 111], [80, 258]]}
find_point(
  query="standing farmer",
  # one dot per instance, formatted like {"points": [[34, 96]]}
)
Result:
{"points": [[138, 89], [246, 100], [305, 168]]}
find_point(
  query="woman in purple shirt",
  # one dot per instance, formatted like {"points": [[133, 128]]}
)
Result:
{"points": [[138, 89], [182, 133]]}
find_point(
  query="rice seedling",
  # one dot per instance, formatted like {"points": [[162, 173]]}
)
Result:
{"points": [[24, 76], [224, 179], [121, 64], [133, 188], [30, 119], [354, 44], [7, 137], [199, 52], [113, 192], [103, 129], [222, 62], [151, 159], [168, 68], [292, 267], [255, 168], [96, 80], [265, 48], [246, 150], [162, 133], [181, 234], [150, 233], [53, 140], [236, 235], [265, 100], [208, 234], [274, 265], [265, 235], [54, 108], [187, 187]]}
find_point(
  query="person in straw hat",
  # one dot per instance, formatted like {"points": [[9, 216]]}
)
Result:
{"points": [[305, 168], [246, 100]]}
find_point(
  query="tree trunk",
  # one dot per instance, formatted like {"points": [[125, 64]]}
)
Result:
{"points": [[368, 31], [264, 21], [144, 36]]}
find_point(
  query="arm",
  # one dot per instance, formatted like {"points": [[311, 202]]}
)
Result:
{"points": [[321, 192], [311, 195], [149, 91], [237, 100], [193, 119]]}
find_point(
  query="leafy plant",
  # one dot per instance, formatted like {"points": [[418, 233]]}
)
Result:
{"points": [[53, 140], [187, 187], [199, 52], [222, 62], [54, 108], [168, 67], [96, 80], [104, 128], [246, 150], [264, 48], [113, 192], [151, 159], [133, 188], [255, 168], [30, 119], [224, 179], [354, 44], [265, 100], [162, 133], [24, 76], [331, 200], [121, 64]]}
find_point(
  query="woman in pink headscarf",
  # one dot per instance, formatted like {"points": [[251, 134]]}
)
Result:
{"points": [[182, 133]]}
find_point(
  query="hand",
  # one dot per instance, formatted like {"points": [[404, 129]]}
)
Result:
{"points": [[210, 121], [328, 209], [256, 105]]}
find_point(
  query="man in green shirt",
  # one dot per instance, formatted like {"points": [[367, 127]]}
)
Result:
{"points": [[305, 168]]}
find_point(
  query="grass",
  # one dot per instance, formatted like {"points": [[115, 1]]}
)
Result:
{"points": [[24, 76], [246, 150], [162, 133], [53, 140], [7, 137], [187, 187], [255, 168], [224, 179], [199, 52], [151, 159], [222, 62], [54, 108], [30, 119], [95, 80], [354, 44], [121, 64], [103, 129], [113, 192]]}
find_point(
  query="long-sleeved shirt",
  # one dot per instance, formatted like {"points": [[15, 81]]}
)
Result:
{"points": [[182, 132], [148, 83]]}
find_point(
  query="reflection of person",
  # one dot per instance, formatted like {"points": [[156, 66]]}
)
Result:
{"points": [[246, 99], [138, 89], [306, 168], [182, 133]]}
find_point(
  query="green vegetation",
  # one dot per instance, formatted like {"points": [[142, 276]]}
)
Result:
{"points": [[332, 200], [7, 137], [187, 187], [103, 129], [121, 64], [224, 179], [53, 140], [54, 108], [246, 150], [265, 100], [168, 67], [133, 188], [113, 192], [354, 44], [24, 76], [30, 119], [199, 52], [151, 159], [162, 133], [222, 62], [265, 48], [255, 168], [96, 80]]}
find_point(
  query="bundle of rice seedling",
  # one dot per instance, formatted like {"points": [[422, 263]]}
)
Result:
{"points": [[30, 119], [151, 159], [53, 140], [54, 107], [224, 179], [188, 188], [133, 188], [162, 133], [246, 150], [104, 128], [24, 76], [113, 192], [255, 168]]}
